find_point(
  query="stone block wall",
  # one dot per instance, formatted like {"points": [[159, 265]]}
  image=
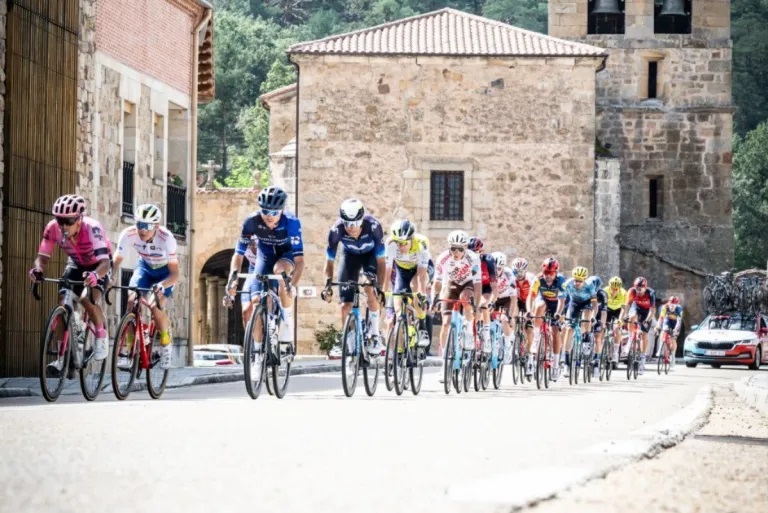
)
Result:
{"points": [[607, 217], [282, 117], [522, 130]]}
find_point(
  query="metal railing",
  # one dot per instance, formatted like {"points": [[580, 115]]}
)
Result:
{"points": [[128, 188], [177, 210]]}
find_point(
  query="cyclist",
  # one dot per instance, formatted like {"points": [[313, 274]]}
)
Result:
{"points": [[407, 256], [582, 300], [547, 295], [158, 268], [641, 303], [457, 276], [280, 249], [507, 301], [523, 282], [601, 316], [89, 253], [362, 240], [616, 299], [671, 319], [490, 288]]}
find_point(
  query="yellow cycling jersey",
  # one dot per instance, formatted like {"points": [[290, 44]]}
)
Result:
{"points": [[416, 255], [671, 312], [616, 301]]}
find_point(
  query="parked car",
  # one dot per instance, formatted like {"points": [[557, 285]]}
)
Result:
{"points": [[217, 355], [728, 339]]}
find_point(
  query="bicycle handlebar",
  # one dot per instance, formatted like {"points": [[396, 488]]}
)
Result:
{"points": [[35, 288]]}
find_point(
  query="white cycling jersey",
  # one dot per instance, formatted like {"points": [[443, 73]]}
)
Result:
{"points": [[157, 253], [464, 270], [507, 283]]}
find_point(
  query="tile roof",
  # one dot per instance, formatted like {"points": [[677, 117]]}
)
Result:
{"points": [[446, 32]]}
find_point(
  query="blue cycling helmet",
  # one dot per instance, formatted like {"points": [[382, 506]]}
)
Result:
{"points": [[596, 280], [272, 198]]}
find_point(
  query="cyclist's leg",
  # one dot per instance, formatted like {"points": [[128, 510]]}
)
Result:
{"points": [[95, 314], [285, 265], [485, 316], [644, 328], [369, 266], [349, 270], [551, 308], [245, 298]]}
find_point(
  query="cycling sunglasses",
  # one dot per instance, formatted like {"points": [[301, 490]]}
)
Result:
{"points": [[353, 224], [141, 225], [67, 221], [458, 249], [270, 213]]}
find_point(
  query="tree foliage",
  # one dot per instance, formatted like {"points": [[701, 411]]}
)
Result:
{"points": [[750, 197]]}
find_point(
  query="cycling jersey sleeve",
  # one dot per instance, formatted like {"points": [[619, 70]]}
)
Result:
{"points": [[378, 237], [561, 288], [423, 257], [122, 241], [652, 295], [50, 236], [334, 237], [440, 268], [294, 235], [390, 253], [491, 269], [246, 233], [101, 249], [630, 297]]}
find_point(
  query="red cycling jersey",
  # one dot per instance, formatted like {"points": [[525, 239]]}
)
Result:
{"points": [[644, 302]]}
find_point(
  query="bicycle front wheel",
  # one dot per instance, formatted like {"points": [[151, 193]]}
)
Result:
{"points": [[389, 360], [125, 357], [667, 358], [573, 368], [371, 375], [605, 360], [350, 356], [448, 360], [416, 369], [630, 360], [541, 368], [254, 366], [92, 372], [157, 377], [54, 355], [400, 356]]}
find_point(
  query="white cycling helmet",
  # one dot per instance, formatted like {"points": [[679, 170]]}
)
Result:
{"points": [[147, 213], [458, 238], [520, 264], [500, 259], [352, 210]]}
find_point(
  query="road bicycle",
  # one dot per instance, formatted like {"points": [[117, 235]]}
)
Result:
{"points": [[633, 356], [404, 355], [481, 364], [519, 350], [664, 359], [269, 358], [606, 354], [136, 347], [457, 359], [61, 359], [581, 354], [543, 342], [354, 350]]}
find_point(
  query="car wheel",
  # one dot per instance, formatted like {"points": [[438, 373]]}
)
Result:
{"points": [[715, 365], [691, 365], [758, 356]]}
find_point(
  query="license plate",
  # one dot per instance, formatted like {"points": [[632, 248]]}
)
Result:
{"points": [[714, 353]]}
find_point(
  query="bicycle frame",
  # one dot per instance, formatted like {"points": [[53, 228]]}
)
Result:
{"points": [[496, 335], [359, 325], [140, 307]]}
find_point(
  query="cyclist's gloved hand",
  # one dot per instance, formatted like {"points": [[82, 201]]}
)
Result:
{"points": [[676, 333], [158, 289], [36, 275], [227, 301], [91, 278], [327, 292]]}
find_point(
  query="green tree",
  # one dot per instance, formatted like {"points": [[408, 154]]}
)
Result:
{"points": [[750, 197], [527, 14], [750, 62]]}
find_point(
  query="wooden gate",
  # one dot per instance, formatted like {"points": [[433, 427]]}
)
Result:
{"points": [[40, 161]]}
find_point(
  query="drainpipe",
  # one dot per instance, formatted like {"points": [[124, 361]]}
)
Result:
{"points": [[192, 179], [296, 191]]}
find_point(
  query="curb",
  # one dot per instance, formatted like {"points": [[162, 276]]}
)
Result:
{"points": [[751, 393], [190, 381], [540, 484]]}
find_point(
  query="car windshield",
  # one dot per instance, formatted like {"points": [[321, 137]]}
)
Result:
{"points": [[210, 356], [729, 322]]}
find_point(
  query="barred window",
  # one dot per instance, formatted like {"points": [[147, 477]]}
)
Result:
{"points": [[446, 196]]}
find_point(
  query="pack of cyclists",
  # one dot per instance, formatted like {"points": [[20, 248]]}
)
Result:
{"points": [[397, 260]]}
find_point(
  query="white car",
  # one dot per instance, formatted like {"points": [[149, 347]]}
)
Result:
{"points": [[728, 339], [217, 355]]}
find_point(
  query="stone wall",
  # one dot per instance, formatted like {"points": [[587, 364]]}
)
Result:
{"points": [[607, 217], [522, 130], [282, 117]]}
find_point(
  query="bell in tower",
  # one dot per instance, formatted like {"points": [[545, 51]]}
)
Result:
{"points": [[673, 8], [606, 7]]}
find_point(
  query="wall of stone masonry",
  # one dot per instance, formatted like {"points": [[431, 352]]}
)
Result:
{"points": [[607, 217], [522, 130], [282, 120]]}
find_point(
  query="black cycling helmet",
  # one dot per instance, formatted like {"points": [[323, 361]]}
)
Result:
{"points": [[272, 198]]}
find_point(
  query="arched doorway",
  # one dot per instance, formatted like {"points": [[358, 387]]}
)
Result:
{"points": [[222, 325]]}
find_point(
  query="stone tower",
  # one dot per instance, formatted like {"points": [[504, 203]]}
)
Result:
{"points": [[664, 110]]}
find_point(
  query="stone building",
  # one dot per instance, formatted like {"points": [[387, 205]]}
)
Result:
{"points": [[664, 105], [107, 109], [441, 119]]}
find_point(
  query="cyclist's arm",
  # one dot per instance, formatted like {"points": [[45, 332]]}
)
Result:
{"points": [[330, 252], [42, 261], [173, 277], [560, 305], [234, 268], [381, 271], [103, 268], [387, 283], [436, 287], [478, 292], [534, 290], [298, 270], [421, 279]]}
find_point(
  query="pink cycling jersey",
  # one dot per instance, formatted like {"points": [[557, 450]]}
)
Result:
{"points": [[90, 247]]}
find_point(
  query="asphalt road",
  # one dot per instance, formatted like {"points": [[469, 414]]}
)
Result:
{"points": [[212, 448]]}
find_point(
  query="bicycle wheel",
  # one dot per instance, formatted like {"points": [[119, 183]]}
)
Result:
{"points": [[92, 371], [52, 378], [448, 372], [660, 360], [586, 363], [477, 369], [157, 377], [498, 372], [371, 375], [350, 356], [636, 363], [254, 360], [416, 369], [467, 369], [125, 357], [389, 361], [541, 368], [522, 358], [281, 373], [609, 359], [548, 368], [573, 367], [400, 356], [667, 358], [605, 359], [458, 374], [485, 372]]}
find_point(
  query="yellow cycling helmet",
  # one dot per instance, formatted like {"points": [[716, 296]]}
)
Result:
{"points": [[615, 282], [580, 273], [402, 231]]}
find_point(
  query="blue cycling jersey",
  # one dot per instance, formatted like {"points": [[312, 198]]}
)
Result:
{"points": [[583, 295], [285, 237], [371, 239]]}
